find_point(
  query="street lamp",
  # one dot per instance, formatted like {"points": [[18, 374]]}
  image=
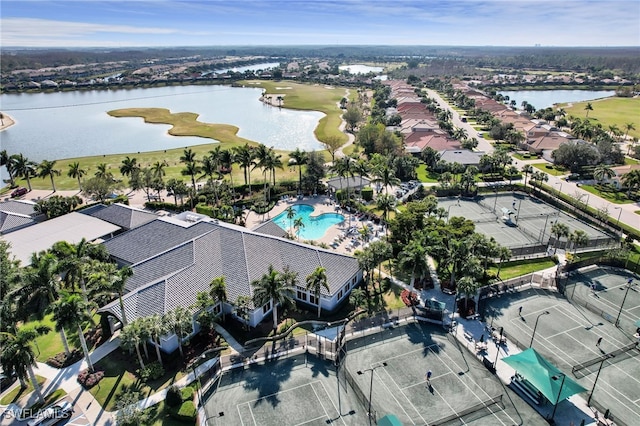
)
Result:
{"points": [[629, 281], [536, 326], [564, 376], [559, 190], [606, 357], [372, 369], [618, 220]]}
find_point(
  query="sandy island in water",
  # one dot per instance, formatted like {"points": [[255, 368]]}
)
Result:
{"points": [[6, 121]]}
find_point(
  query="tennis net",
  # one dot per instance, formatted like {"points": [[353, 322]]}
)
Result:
{"points": [[619, 354], [472, 413]]}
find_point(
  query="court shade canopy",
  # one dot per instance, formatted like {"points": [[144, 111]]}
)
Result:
{"points": [[389, 420], [543, 375]]}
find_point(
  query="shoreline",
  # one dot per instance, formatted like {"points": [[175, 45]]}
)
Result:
{"points": [[7, 121]]}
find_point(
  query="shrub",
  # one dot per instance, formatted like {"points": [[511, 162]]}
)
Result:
{"points": [[89, 380], [63, 359], [152, 371], [174, 396], [367, 193], [187, 393]]}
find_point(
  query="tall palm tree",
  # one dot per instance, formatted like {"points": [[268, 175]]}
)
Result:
{"points": [[504, 254], [191, 169], [343, 167], [578, 238], [386, 175], [218, 292], [46, 169], [180, 321], [413, 260], [102, 171], [10, 282], [245, 157], [273, 290], [559, 230], [227, 158], [130, 339], [210, 167], [301, 158], [316, 281], [70, 311], [386, 203], [298, 224], [588, 108], [291, 213], [129, 166], [467, 286], [631, 180], [5, 160], [73, 259], [262, 157], [156, 327], [110, 282], [23, 168], [526, 169], [158, 169], [16, 354], [76, 172]]}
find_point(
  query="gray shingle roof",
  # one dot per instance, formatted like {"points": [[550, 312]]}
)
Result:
{"points": [[18, 207], [119, 214], [11, 222], [270, 228], [177, 263]]}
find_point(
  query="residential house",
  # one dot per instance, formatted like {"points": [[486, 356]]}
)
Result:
{"points": [[18, 214]]}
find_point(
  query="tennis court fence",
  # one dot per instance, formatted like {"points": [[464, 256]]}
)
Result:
{"points": [[360, 395], [472, 413], [619, 354], [592, 307]]}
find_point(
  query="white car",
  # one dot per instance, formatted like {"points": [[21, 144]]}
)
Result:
{"points": [[52, 414]]}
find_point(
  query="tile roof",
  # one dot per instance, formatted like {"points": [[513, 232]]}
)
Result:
{"points": [[184, 260], [122, 215]]}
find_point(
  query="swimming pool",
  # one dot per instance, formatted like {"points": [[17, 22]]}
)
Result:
{"points": [[314, 227]]}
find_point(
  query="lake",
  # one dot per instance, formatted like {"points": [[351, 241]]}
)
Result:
{"points": [[541, 99], [76, 124]]}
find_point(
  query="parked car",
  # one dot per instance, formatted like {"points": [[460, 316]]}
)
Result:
{"points": [[19, 192], [52, 414]]}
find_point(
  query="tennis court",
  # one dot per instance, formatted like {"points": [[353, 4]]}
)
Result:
{"points": [[300, 390], [462, 390], [567, 336], [531, 219], [603, 290]]}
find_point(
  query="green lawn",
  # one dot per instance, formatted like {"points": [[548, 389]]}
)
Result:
{"points": [[610, 111], [426, 176], [16, 393], [548, 168], [522, 267], [119, 373], [616, 197]]}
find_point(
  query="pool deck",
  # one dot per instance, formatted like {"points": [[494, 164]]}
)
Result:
{"points": [[321, 204]]}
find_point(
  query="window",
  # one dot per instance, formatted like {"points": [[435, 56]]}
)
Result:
{"points": [[312, 299], [302, 295], [266, 308], [217, 309], [340, 295]]}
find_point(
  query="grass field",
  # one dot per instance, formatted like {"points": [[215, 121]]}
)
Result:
{"points": [[610, 111]]}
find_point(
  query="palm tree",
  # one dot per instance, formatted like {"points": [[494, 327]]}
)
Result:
{"points": [[227, 158], [357, 298], [180, 321], [16, 355], [386, 203], [578, 238], [130, 339], [631, 180], [218, 291], [129, 166], [559, 230], [156, 327], [5, 160], [602, 172], [118, 285], [23, 168], [70, 311], [73, 259], [102, 172], [245, 158], [271, 289], [10, 282], [467, 286], [316, 281], [262, 155], [504, 254], [291, 213], [46, 169], [413, 260], [386, 175], [301, 158], [298, 224], [627, 128], [588, 108], [76, 172]]}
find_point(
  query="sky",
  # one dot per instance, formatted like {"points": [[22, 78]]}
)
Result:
{"points": [[154, 23]]}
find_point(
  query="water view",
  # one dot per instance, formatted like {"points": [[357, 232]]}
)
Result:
{"points": [[314, 226], [255, 67], [75, 124], [546, 98]]}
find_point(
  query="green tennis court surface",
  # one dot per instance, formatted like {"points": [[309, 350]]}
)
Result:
{"points": [[567, 337]]}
